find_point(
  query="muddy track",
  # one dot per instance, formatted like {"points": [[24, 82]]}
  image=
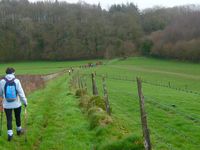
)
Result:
{"points": [[53, 75]]}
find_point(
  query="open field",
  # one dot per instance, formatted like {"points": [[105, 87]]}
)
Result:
{"points": [[43, 67], [173, 115], [56, 121]]}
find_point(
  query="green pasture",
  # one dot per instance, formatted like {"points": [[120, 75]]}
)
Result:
{"points": [[41, 67], [56, 121], [179, 74], [173, 115]]}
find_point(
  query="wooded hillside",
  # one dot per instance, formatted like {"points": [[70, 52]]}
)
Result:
{"points": [[63, 31]]}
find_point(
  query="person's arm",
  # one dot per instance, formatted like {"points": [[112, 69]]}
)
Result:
{"points": [[21, 93]]}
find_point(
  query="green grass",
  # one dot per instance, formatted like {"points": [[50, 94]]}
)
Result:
{"points": [[173, 116], [41, 67], [57, 122], [54, 122], [180, 74]]}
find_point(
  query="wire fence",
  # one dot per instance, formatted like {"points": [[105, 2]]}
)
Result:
{"points": [[164, 126], [169, 85], [171, 109], [193, 118]]}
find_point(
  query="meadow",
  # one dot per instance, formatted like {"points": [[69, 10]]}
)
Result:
{"points": [[173, 113], [41, 67], [55, 120]]}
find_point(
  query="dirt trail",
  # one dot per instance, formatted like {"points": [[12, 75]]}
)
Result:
{"points": [[31, 83], [53, 75]]}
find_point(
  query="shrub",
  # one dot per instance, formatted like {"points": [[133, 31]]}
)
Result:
{"points": [[99, 118], [93, 110], [80, 92], [84, 100], [96, 101]]}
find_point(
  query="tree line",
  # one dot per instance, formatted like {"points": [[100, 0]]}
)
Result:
{"points": [[56, 30]]}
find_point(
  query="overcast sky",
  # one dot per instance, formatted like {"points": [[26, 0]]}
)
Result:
{"points": [[140, 3]]}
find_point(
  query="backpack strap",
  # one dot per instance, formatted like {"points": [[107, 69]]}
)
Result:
{"points": [[10, 81]]}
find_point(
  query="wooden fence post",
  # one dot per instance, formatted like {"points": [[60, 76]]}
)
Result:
{"points": [[169, 85], [75, 85], [106, 96], [146, 135], [76, 81], [85, 84], [94, 87], [81, 83]]}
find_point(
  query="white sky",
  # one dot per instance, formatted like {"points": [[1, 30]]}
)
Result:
{"points": [[140, 3]]}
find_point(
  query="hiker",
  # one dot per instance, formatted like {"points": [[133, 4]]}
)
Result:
{"points": [[12, 93]]}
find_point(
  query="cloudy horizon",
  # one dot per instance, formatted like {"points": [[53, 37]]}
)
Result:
{"points": [[142, 4]]}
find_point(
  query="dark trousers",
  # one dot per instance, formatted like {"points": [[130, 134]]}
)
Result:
{"points": [[9, 117]]}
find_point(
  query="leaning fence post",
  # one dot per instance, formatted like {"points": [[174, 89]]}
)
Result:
{"points": [[146, 135], [94, 87], [105, 92]]}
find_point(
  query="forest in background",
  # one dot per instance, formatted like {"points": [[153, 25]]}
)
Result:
{"points": [[62, 31]]}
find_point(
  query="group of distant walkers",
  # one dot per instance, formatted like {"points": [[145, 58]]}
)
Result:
{"points": [[12, 94], [88, 65]]}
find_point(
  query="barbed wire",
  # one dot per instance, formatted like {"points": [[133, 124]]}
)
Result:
{"points": [[181, 135], [168, 108], [169, 146], [125, 78]]}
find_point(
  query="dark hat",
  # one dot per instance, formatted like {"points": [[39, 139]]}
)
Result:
{"points": [[10, 70]]}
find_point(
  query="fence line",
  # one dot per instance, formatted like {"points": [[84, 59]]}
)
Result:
{"points": [[181, 135], [163, 107], [125, 78], [168, 108], [132, 94]]}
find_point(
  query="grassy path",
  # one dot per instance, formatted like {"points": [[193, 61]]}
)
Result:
{"points": [[55, 122]]}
